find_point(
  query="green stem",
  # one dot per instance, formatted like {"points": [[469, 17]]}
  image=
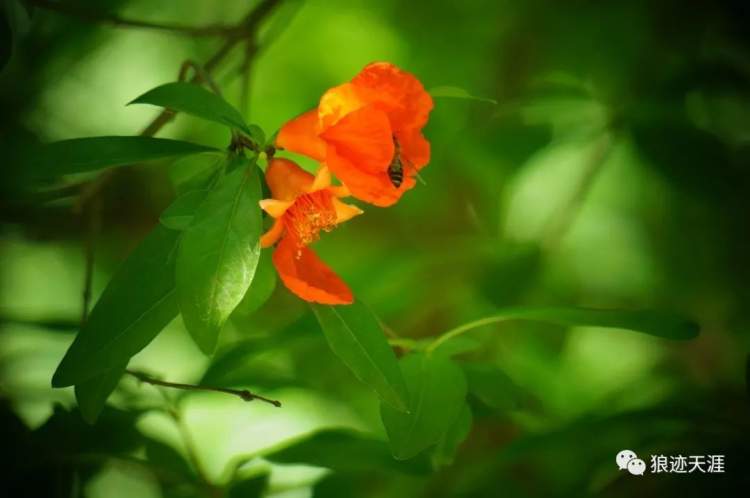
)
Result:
{"points": [[457, 331]]}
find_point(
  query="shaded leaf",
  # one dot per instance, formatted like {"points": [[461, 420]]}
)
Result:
{"points": [[492, 386], [135, 306], [179, 214], [80, 155], [197, 101], [171, 465], [248, 488], [437, 389], [92, 394], [356, 337], [445, 451], [219, 253], [343, 451]]}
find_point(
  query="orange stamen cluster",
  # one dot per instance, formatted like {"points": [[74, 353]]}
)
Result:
{"points": [[310, 214]]}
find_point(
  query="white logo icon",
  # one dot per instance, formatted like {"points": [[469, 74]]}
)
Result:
{"points": [[636, 466], [624, 457]]}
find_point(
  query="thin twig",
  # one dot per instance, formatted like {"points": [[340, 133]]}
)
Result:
{"points": [[563, 220], [251, 49], [243, 394], [121, 22], [94, 215]]}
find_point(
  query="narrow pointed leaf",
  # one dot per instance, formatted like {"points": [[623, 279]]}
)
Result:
{"points": [[197, 101], [137, 304], [219, 253], [80, 155], [653, 322], [437, 394], [356, 337], [92, 394]]}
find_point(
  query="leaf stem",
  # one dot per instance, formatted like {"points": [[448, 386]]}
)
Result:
{"points": [[455, 332], [243, 394]]}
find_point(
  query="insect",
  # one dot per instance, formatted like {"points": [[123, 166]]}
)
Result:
{"points": [[396, 168]]}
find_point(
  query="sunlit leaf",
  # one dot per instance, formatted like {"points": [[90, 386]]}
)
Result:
{"points": [[179, 214], [92, 394], [136, 305], [343, 451], [356, 337], [455, 92], [445, 450], [80, 155], [197, 101], [437, 393], [219, 253]]}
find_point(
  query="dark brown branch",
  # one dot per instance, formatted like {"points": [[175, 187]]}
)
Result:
{"points": [[245, 29], [243, 394], [84, 14]]}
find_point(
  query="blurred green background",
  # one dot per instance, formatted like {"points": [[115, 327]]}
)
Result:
{"points": [[605, 163]]}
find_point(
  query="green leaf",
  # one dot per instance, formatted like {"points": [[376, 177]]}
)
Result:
{"points": [[445, 451], [492, 386], [196, 172], [80, 155], [179, 214], [219, 253], [92, 394], [657, 323], [262, 287], [248, 488], [197, 101], [437, 389], [455, 92], [168, 460], [342, 450], [136, 305], [356, 337]]}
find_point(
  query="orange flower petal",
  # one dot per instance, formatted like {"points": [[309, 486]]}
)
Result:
{"points": [[300, 135], [322, 179], [344, 211], [374, 188], [273, 234], [364, 137], [398, 93], [275, 208], [337, 103], [287, 180], [308, 277], [415, 149]]}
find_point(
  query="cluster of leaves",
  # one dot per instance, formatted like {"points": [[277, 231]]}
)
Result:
{"points": [[201, 262]]}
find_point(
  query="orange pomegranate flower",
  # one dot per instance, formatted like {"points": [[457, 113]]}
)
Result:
{"points": [[368, 132], [302, 206]]}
